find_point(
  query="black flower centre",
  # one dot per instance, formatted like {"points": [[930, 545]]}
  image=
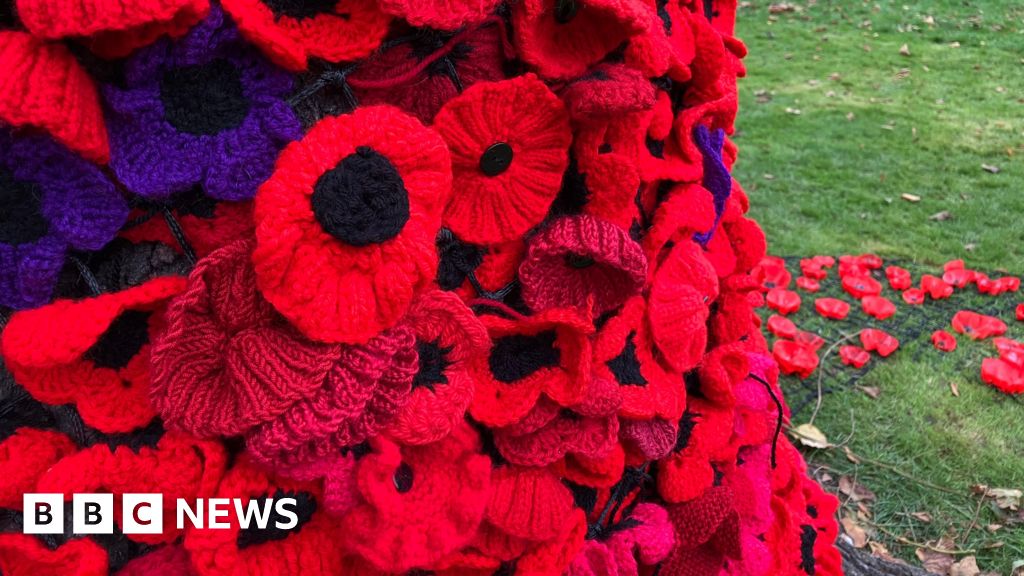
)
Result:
{"points": [[362, 200], [578, 261], [565, 10], [21, 213], [305, 506], [204, 99], [625, 366], [433, 362], [496, 159], [403, 478], [516, 357], [300, 9], [122, 341], [808, 536]]}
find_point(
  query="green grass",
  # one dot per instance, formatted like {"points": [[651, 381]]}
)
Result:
{"points": [[874, 125]]}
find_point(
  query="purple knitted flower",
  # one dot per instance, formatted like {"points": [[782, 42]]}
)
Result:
{"points": [[206, 109], [717, 179], [50, 200]]}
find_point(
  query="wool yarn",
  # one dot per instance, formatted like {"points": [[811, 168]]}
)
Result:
{"points": [[470, 281]]}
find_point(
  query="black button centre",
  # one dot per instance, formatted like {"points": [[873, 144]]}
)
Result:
{"points": [[496, 159]]}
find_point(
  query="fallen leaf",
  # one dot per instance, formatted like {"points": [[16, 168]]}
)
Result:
{"points": [[850, 455], [1017, 568], [781, 7], [768, 176], [854, 490], [954, 44], [990, 168], [910, 197], [993, 527], [850, 116], [873, 391], [858, 537], [954, 389], [941, 216], [878, 550], [922, 517], [967, 566], [809, 435], [970, 247], [793, 111], [905, 50], [1005, 499], [935, 561]]}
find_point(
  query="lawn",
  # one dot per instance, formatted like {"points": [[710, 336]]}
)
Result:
{"points": [[898, 128]]}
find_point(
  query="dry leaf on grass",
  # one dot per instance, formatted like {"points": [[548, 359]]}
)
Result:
{"points": [[910, 197], [934, 561], [905, 50], [1005, 498], [809, 435], [855, 490], [954, 389], [922, 516], [873, 391], [858, 537], [967, 566], [941, 216], [990, 168], [850, 455]]}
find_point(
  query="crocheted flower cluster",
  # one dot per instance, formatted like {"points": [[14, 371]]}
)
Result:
{"points": [[469, 280]]}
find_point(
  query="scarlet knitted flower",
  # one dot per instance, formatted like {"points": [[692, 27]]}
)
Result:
{"points": [[645, 440], [170, 559], [227, 361], [439, 14], [854, 356], [205, 223], [899, 278], [643, 536], [345, 226], [686, 210], [421, 502], [547, 353], [23, 554], [45, 87], [111, 29], [362, 393], [204, 110], [93, 353], [448, 336], [24, 456], [51, 201], [667, 46], [623, 353], [607, 90], [707, 533], [290, 33], [977, 326], [678, 302], [309, 547], [831, 308], [527, 503], [509, 142], [563, 40], [704, 429], [943, 341], [580, 261]]}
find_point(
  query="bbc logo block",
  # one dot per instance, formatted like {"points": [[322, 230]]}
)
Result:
{"points": [[93, 513]]}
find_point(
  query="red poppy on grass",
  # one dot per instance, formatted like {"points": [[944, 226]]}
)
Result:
{"points": [[913, 296], [1003, 375], [861, 286], [1019, 312], [986, 285], [870, 261], [783, 301], [795, 358], [878, 306], [771, 273], [810, 339], [899, 278], [875, 340], [977, 326], [1010, 350], [832, 308], [854, 356], [812, 268], [807, 284], [1008, 284], [957, 264], [935, 287], [943, 341], [509, 143], [852, 266], [345, 227], [958, 277], [781, 326], [824, 261]]}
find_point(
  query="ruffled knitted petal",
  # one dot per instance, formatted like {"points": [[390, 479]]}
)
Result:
{"points": [[26, 554], [528, 503], [683, 287], [440, 14]]}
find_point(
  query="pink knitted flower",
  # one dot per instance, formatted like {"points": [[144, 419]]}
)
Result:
{"points": [[579, 258], [647, 541]]}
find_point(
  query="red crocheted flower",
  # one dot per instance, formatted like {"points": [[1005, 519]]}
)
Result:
{"points": [[781, 326], [582, 262], [795, 358], [310, 547], [93, 353], [813, 268], [24, 554], [899, 278], [111, 29], [831, 308], [1003, 375], [227, 361], [878, 306], [667, 46], [563, 40], [707, 532], [1019, 312], [678, 301], [733, 318], [977, 326], [439, 14], [771, 273], [913, 296], [345, 226], [448, 336], [509, 142], [45, 87], [528, 503], [169, 559], [421, 502], [24, 456], [290, 33], [861, 286], [623, 353], [608, 90], [361, 395], [686, 210], [875, 340], [807, 284], [205, 223], [783, 301], [548, 353], [943, 341], [854, 356]]}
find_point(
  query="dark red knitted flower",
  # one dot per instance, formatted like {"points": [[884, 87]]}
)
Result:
{"points": [[111, 29], [345, 226], [582, 262], [899, 278], [448, 336], [227, 361], [439, 14], [290, 33], [707, 533], [420, 502], [93, 353], [310, 547], [171, 559], [548, 353], [607, 90], [509, 143], [44, 87], [563, 40], [943, 341], [623, 353], [205, 223], [678, 304]]}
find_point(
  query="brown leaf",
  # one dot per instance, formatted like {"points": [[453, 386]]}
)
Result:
{"points": [[1006, 499], [967, 566], [910, 197], [858, 537], [922, 516], [873, 391], [854, 490], [934, 561], [941, 216], [878, 550], [781, 7], [993, 527], [954, 389], [905, 50], [850, 455], [990, 168], [809, 435]]}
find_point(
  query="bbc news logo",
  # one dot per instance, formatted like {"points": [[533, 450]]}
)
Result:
{"points": [[144, 513]]}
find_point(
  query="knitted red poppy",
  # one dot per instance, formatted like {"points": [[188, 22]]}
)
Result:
{"points": [[607, 90], [509, 142], [528, 503], [24, 457], [581, 262], [308, 548], [682, 289], [207, 225], [623, 353], [345, 226], [771, 273], [610, 182], [25, 555], [46, 88], [497, 269], [172, 559], [227, 361], [831, 308], [707, 531], [704, 430], [686, 210], [854, 356], [439, 14], [667, 46], [563, 41], [111, 29], [92, 353], [421, 502], [943, 341], [291, 34], [734, 318], [548, 353], [448, 336], [795, 358]]}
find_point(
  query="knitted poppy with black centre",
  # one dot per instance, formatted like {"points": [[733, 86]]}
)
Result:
{"points": [[345, 226], [509, 142], [704, 430], [548, 353], [290, 33], [111, 29], [93, 353]]}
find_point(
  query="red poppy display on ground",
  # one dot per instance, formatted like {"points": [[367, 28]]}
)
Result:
{"points": [[899, 278], [832, 308], [875, 340], [878, 306], [913, 296], [795, 358], [861, 286], [781, 326], [943, 341], [977, 326], [807, 284], [783, 301], [935, 287], [854, 356]]}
